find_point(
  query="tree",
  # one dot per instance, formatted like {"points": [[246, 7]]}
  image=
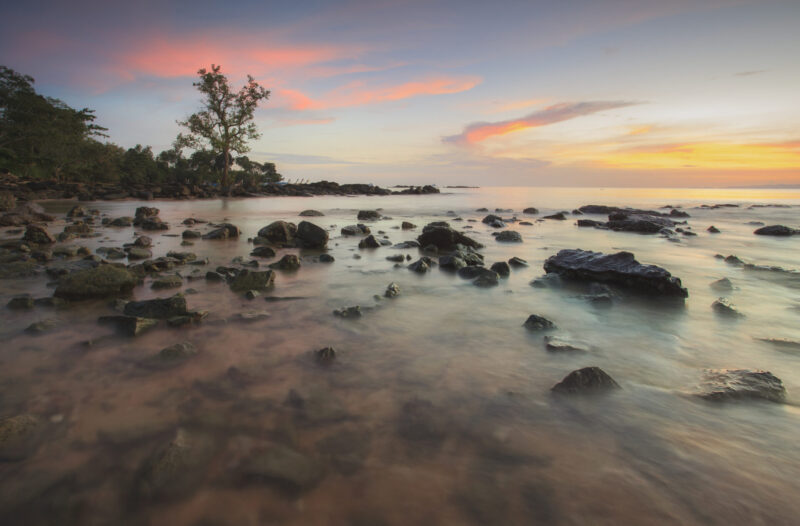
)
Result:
{"points": [[226, 122]]}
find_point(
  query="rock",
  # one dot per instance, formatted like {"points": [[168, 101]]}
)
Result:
{"points": [[175, 470], [368, 215], [740, 384], [177, 351], [43, 326], [326, 258], [214, 276], [21, 302], [184, 257], [369, 242], [325, 355], [253, 280], [251, 294], [407, 244], [136, 253], [774, 230], [445, 238], [263, 252], [143, 242], [724, 307], [531, 211], [348, 312], [392, 290], [486, 280], [620, 269], [517, 262], [167, 282], [502, 268], [25, 214], [591, 223], [78, 211], [311, 213], [538, 323], [285, 468], [279, 232], [18, 436], [712, 230], [559, 216], [449, 262], [287, 262], [124, 221], [397, 258], [311, 236], [99, 282], [475, 271], [678, 213], [723, 284], [493, 221], [556, 344], [129, 325], [18, 269], [405, 225], [733, 260], [224, 231], [355, 230], [159, 308], [191, 234], [422, 265], [586, 380], [643, 224], [38, 234], [509, 236], [144, 212], [152, 223]]}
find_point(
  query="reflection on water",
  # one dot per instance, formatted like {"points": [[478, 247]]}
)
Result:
{"points": [[436, 409]]}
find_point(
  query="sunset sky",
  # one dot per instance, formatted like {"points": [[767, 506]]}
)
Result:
{"points": [[588, 93]]}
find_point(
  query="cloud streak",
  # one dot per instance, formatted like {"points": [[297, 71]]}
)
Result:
{"points": [[480, 131]]}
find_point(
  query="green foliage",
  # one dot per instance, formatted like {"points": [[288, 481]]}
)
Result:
{"points": [[225, 123]]}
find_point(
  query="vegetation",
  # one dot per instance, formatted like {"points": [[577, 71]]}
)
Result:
{"points": [[43, 138]]}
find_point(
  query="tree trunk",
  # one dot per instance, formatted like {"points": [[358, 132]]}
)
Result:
{"points": [[225, 181]]}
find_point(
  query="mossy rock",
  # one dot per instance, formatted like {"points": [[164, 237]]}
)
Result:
{"points": [[100, 282]]}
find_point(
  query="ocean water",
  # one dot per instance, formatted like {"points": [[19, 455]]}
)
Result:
{"points": [[437, 408]]}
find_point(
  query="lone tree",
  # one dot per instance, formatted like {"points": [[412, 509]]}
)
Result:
{"points": [[226, 122]]}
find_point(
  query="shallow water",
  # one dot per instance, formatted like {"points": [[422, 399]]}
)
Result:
{"points": [[437, 409]]}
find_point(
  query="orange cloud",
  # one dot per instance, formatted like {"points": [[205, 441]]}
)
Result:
{"points": [[296, 100], [709, 155], [480, 131], [640, 130]]}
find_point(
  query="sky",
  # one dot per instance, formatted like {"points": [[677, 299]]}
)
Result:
{"points": [[687, 93]]}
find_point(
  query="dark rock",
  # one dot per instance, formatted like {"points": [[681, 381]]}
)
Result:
{"points": [[121, 222], [741, 384], [178, 351], [772, 230], [392, 290], [355, 230], [279, 232], [407, 244], [152, 223], [531, 211], [191, 234], [223, 231], [159, 308], [287, 262], [556, 344], [348, 312], [368, 215], [144, 212], [405, 225], [487, 280], [493, 221], [43, 326], [475, 271], [135, 253], [559, 216], [517, 262], [38, 234], [538, 323], [311, 213], [397, 258], [18, 269], [451, 262], [253, 280], [502, 268], [325, 355], [326, 258], [678, 213], [369, 242], [99, 282], [263, 252], [214, 276], [712, 230], [129, 325], [251, 294], [643, 224], [78, 211], [422, 265], [167, 282], [724, 307], [621, 269], [590, 223], [445, 238], [311, 236], [586, 380], [509, 236], [21, 302], [733, 260], [143, 242]]}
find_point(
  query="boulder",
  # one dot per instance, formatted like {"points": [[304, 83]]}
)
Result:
{"points": [[325, 355], [78, 211], [167, 282], [178, 351], [517, 262], [191, 234], [475, 271], [405, 225], [620, 269], [422, 265], [152, 223], [740, 384], [223, 231], [326, 258], [355, 230], [287, 262], [143, 242], [450, 262], [144, 212], [502, 268], [159, 308], [263, 252], [586, 380], [538, 323], [253, 280], [98, 282], [279, 232], [38, 234], [722, 285], [509, 236], [531, 211], [121, 222], [776, 230], [369, 242], [135, 253], [311, 236], [712, 230], [445, 238], [368, 215], [487, 280], [311, 213], [559, 216]]}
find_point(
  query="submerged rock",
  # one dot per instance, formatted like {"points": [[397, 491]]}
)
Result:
{"points": [[392, 290], [223, 231], [369, 242], [21, 302], [509, 236], [776, 230], [159, 308], [724, 307], [167, 282], [348, 312], [285, 468], [643, 224], [517, 262], [502, 268], [559, 216], [712, 230], [287, 262], [556, 344], [738, 384], [722, 285], [99, 282], [325, 355], [444, 238], [355, 230], [620, 269], [538, 323], [587, 380], [368, 215], [253, 280], [178, 351]]}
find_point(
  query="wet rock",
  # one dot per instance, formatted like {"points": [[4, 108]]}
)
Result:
{"points": [[177, 352], [368, 215], [509, 236], [517, 262], [776, 230], [159, 308], [355, 230], [25, 214], [144, 212], [733, 260], [502, 268], [348, 312], [124, 221], [369, 242], [152, 223], [782, 343], [493, 221], [712, 230], [18, 436], [137, 253], [311, 236], [397, 258], [538, 323], [392, 290], [482, 209], [99, 282], [643, 224], [214, 276], [284, 468], [620, 269], [183, 257], [722, 285], [143, 242], [405, 225], [167, 282], [325, 355], [587, 380], [78, 211], [311, 213], [21, 302], [326, 258], [38, 234], [724, 307], [741, 384], [591, 223], [422, 265], [444, 238], [191, 234], [288, 262], [263, 252], [43, 326], [224, 231], [486, 280], [128, 325], [474, 271], [450, 262], [678, 213], [531, 211], [556, 344], [251, 279], [279, 232], [557, 216], [407, 244], [251, 294]]}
